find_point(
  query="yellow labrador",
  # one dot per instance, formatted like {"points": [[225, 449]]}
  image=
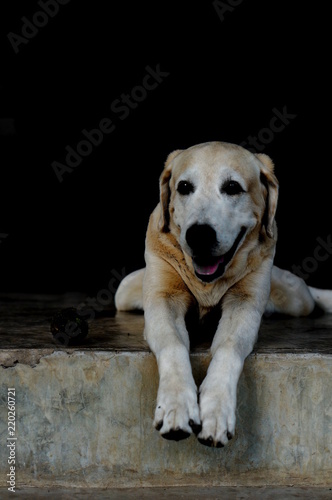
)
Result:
{"points": [[210, 244]]}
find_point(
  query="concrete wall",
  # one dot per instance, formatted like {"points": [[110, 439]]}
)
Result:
{"points": [[85, 419]]}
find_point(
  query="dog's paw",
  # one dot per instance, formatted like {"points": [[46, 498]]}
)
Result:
{"points": [[217, 411], [177, 412]]}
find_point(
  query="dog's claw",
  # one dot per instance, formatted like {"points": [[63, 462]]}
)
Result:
{"points": [[195, 427], [159, 425], [176, 434], [229, 436], [209, 442]]}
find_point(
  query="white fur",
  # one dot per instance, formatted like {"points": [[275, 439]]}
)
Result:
{"points": [[244, 296], [128, 296], [209, 205]]}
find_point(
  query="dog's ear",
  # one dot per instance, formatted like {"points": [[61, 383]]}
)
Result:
{"points": [[270, 181], [165, 192]]}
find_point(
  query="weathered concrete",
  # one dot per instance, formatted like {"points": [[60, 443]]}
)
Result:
{"points": [[86, 419], [84, 416]]}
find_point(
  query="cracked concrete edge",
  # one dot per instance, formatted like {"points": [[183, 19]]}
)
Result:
{"points": [[31, 357], [9, 358]]}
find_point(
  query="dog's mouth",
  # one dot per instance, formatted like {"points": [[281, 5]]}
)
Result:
{"points": [[209, 268]]}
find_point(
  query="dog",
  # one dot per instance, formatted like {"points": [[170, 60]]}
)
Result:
{"points": [[210, 246]]}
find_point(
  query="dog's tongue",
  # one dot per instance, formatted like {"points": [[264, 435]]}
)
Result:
{"points": [[208, 268]]}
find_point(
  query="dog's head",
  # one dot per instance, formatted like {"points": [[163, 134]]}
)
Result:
{"points": [[213, 196]]}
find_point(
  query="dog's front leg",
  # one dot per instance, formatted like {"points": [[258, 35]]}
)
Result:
{"points": [[235, 337], [233, 342], [177, 412]]}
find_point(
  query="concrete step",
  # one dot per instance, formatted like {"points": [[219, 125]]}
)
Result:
{"points": [[84, 414]]}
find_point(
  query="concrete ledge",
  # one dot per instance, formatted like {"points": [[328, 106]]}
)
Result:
{"points": [[84, 418]]}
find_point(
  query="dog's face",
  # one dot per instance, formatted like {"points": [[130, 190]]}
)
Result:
{"points": [[213, 196]]}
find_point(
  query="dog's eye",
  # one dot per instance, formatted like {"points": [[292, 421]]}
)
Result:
{"points": [[231, 188], [185, 187]]}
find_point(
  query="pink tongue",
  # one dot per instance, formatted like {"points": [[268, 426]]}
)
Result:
{"points": [[208, 270]]}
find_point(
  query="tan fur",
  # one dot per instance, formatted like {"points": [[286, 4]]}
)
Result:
{"points": [[164, 242]]}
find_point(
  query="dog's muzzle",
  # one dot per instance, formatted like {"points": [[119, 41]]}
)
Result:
{"points": [[202, 240]]}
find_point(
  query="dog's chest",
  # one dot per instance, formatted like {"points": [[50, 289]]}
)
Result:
{"points": [[201, 323]]}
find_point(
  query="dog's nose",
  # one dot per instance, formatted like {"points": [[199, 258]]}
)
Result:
{"points": [[201, 238]]}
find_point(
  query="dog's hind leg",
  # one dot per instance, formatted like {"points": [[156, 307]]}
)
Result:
{"points": [[323, 299], [129, 295], [291, 295]]}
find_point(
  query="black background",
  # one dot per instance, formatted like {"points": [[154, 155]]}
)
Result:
{"points": [[225, 78]]}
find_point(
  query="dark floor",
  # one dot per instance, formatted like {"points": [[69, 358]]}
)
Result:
{"points": [[25, 324], [177, 493]]}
